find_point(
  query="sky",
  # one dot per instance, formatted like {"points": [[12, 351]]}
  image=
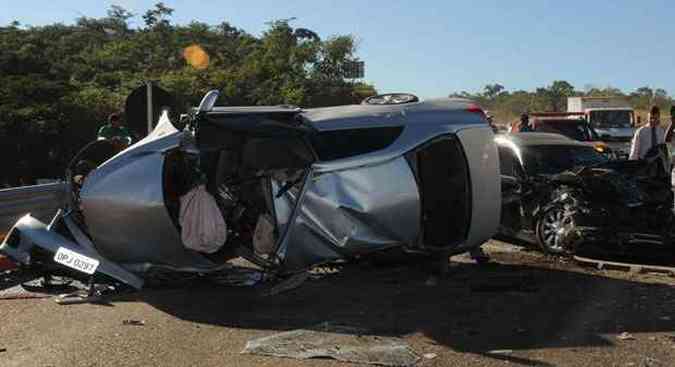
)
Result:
{"points": [[433, 48]]}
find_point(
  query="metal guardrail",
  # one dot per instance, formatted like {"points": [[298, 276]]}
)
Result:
{"points": [[41, 201]]}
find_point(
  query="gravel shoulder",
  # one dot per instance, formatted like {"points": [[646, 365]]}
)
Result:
{"points": [[527, 309]]}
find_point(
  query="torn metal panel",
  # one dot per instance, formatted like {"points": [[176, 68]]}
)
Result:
{"points": [[34, 234], [131, 224], [346, 344], [355, 211]]}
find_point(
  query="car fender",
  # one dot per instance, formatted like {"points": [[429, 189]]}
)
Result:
{"points": [[29, 233]]}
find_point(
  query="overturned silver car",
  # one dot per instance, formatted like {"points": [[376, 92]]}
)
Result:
{"points": [[295, 188]]}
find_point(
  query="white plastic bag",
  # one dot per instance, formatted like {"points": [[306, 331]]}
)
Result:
{"points": [[203, 226]]}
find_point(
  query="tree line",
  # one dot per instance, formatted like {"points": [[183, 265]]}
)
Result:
{"points": [[507, 106], [59, 82]]}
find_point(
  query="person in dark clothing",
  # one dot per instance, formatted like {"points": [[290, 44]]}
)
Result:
{"points": [[525, 123], [115, 131]]}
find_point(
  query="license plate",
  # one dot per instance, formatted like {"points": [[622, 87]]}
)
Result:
{"points": [[76, 261]]}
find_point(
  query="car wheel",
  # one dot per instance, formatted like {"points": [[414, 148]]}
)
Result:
{"points": [[550, 227]]}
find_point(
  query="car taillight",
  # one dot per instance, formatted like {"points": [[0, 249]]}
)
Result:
{"points": [[474, 108]]}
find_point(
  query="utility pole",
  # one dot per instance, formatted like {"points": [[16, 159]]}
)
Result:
{"points": [[148, 88]]}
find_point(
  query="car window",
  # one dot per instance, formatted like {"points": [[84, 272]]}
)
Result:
{"points": [[508, 163], [338, 144], [609, 119], [571, 129], [554, 159]]}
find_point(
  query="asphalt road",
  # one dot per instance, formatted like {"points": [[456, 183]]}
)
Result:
{"points": [[537, 310]]}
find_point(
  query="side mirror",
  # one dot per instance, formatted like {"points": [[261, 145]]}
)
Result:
{"points": [[208, 101]]}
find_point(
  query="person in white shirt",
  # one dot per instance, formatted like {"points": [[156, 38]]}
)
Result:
{"points": [[669, 132], [648, 136]]}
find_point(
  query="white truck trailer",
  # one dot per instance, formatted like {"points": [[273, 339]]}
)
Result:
{"points": [[613, 118]]}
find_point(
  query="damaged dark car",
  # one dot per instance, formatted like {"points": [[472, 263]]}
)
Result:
{"points": [[562, 195], [282, 187]]}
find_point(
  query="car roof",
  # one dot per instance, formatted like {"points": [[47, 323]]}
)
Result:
{"points": [[451, 111], [535, 139], [458, 112], [544, 120], [235, 110]]}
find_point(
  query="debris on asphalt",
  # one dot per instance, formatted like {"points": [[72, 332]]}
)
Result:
{"points": [[650, 362], [75, 298], [2, 350], [238, 277], [501, 351], [288, 284], [20, 284], [94, 293], [320, 272], [133, 322], [625, 336], [430, 355], [341, 343]]}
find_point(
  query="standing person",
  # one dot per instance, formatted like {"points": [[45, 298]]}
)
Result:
{"points": [[648, 136], [115, 131], [491, 123], [669, 133], [525, 123]]}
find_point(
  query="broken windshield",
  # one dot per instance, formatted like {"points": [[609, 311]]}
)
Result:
{"points": [[577, 130], [554, 159]]}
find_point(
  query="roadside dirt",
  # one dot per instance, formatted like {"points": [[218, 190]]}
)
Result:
{"points": [[527, 309]]}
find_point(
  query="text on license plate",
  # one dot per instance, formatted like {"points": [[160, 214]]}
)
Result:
{"points": [[76, 261]]}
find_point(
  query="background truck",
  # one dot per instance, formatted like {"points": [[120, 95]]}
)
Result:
{"points": [[613, 118]]}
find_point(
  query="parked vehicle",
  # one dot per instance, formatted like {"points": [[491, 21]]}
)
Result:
{"points": [[561, 194], [576, 127], [613, 118], [295, 188]]}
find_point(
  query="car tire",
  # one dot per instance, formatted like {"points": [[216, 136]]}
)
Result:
{"points": [[548, 228]]}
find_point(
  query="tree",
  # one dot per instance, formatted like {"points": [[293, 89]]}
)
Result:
{"points": [[491, 91], [507, 106], [643, 92], [156, 18], [119, 17], [304, 33], [558, 93], [61, 81], [608, 91]]}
